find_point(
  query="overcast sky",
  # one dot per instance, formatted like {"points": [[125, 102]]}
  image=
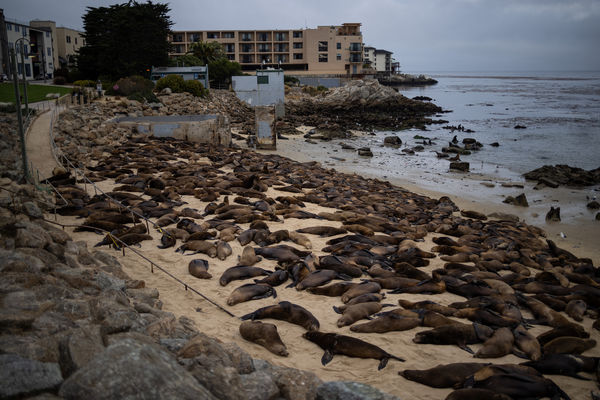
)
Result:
{"points": [[425, 35]]}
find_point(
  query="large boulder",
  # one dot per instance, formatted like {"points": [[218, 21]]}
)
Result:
{"points": [[350, 391], [132, 369], [21, 376]]}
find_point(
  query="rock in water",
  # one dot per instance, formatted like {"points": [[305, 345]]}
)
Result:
{"points": [[553, 214], [460, 166]]}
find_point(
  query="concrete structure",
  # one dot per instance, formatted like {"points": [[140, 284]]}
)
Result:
{"points": [[378, 59], [332, 49], [264, 89], [199, 73], [210, 129], [266, 137], [66, 42]]}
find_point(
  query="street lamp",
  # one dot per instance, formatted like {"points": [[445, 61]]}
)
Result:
{"points": [[23, 71]]}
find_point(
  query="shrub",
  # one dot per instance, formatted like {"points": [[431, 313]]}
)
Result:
{"points": [[133, 84], [174, 82], [194, 87], [85, 83], [315, 91], [59, 80], [290, 80]]}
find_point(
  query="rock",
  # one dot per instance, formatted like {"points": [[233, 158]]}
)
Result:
{"points": [[212, 376], [520, 200], [469, 141], [548, 182], [392, 141], [293, 384], [460, 166], [32, 210], [598, 216], [241, 360], [565, 175], [166, 92], [495, 144], [365, 152], [504, 216], [553, 214], [339, 390], [32, 263], [520, 127], [593, 205], [21, 376], [131, 369], [31, 235], [79, 347]]}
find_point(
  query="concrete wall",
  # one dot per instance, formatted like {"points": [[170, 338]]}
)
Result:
{"points": [[266, 136], [210, 129], [249, 90]]}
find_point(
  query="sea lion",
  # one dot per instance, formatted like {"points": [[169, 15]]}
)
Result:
{"points": [[278, 236], [476, 394], [434, 319], [250, 291], [276, 278], [499, 345], [281, 254], [334, 344], [264, 334], [566, 330], [108, 240], [224, 250], [342, 268], [199, 269], [526, 343], [564, 364], [317, 278], [576, 309], [460, 335], [286, 311], [433, 285], [387, 323], [167, 240], [300, 239], [356, 312], [360, 289], [363, 298], [246, 236], [240, 272], [131, 239], [520, 385], [199, 246], [443, 376], [201, 235], [332, 290], [568, 344], [323, 231], [395, 282], [428, 305], [248, 257], [167, 219], [486, 317]]}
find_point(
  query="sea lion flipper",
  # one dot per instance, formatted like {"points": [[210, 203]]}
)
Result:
{"points": [[383, 363], [274, 293], [577, 376], [327, 357], [519, 353], [466, 348], [337, 310]]}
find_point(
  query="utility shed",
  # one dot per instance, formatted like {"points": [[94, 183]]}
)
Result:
{"points": [[199, 73], [264, 89]]}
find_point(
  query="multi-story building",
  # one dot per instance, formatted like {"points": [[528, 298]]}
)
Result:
{"points": [[66, 42], [32, 46], [378, 59], [324, 50]]}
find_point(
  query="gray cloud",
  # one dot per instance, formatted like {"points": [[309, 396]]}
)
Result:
{"points": [[424, 35]]}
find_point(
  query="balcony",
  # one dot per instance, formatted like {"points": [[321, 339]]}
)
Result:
{"points": [[355, 47], [264, 48], [246, 48], [355, 58]]}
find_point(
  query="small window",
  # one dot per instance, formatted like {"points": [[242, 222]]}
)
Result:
{"points": [[228, 35], [338, 46], [298, 56], [297, 45], [262, 79], [338, 56], [16, 28], [322, 57], [68, 39], [297, 34], [24, 31], [211, 35], [47, 34], [75, 40], [48, 51], [8, 27], [323, 46]]}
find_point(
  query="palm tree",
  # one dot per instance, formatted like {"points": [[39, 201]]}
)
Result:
{"points": [[207, 52]]}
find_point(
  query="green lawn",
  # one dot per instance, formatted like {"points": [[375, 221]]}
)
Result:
{"points": [[34, 92]]}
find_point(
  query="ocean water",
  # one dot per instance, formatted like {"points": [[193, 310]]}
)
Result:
{"points": [[561, 112]]}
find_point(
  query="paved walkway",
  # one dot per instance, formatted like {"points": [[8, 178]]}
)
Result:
{"points": [[39, 150]]}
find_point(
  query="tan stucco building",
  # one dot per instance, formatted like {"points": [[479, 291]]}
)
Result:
{"points": [[66, 42], [324, 50]]}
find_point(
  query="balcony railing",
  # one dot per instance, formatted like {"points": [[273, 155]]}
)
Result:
{"points": [[355, 47]]}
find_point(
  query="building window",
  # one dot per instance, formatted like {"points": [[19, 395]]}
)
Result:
{"points": [[176, 38], [49, 51], [195, 37], [298, 45], [229, 35], [25, 49], [16, 28], [262, 79], [47, 34], [262, 37], [355, 47], [265, 58], [212, 35], [282, 58], [322, 57], [230, 48], [280, 37], [246, 37], [247, 59], [11, 45], [338, 46], [8, 27], [27, 69], [281, 48], [75, 40], [231, 57], [263, 48], [322, 46], [24, 31], [246, 48], [69, 39], [338, 57], [298, 56], [297, 34]]}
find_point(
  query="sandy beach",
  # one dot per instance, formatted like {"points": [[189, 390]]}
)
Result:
{"points": [[304, 354]]}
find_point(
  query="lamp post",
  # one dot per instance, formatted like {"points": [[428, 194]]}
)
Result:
{"points": [[13, 60], [23, 71]]}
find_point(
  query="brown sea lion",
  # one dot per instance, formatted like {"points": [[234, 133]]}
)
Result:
{"points": [[356, 312], [564, 364], [224, 250], [167, 219], [387, 323], [286, 311], [274, 279], [476, 394], [201, 235], [240, 272], [167, 240], [565, 330], [246, 236], [526, 343], [364, 298], [443, 376], [434, 319], [486, 317], [281, 254], [360, 289], [499, 345], [395, 282], [300, 239], [323, 231], [520, 385], [568, 344], [428, 305], [460, 335], [576, 309], [248, 257], [334, 344], [199, 269], [333, 290], [250, 291], [199, 246], [265, 335], [317, 278]]}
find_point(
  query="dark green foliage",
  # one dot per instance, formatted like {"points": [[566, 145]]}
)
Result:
{"points": [[85, 82], [124, 39], [194, 87], [221, 71], [135, 87], [290, 80], [59, 80], [174, 82], [188, 60], [207, 52]]}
